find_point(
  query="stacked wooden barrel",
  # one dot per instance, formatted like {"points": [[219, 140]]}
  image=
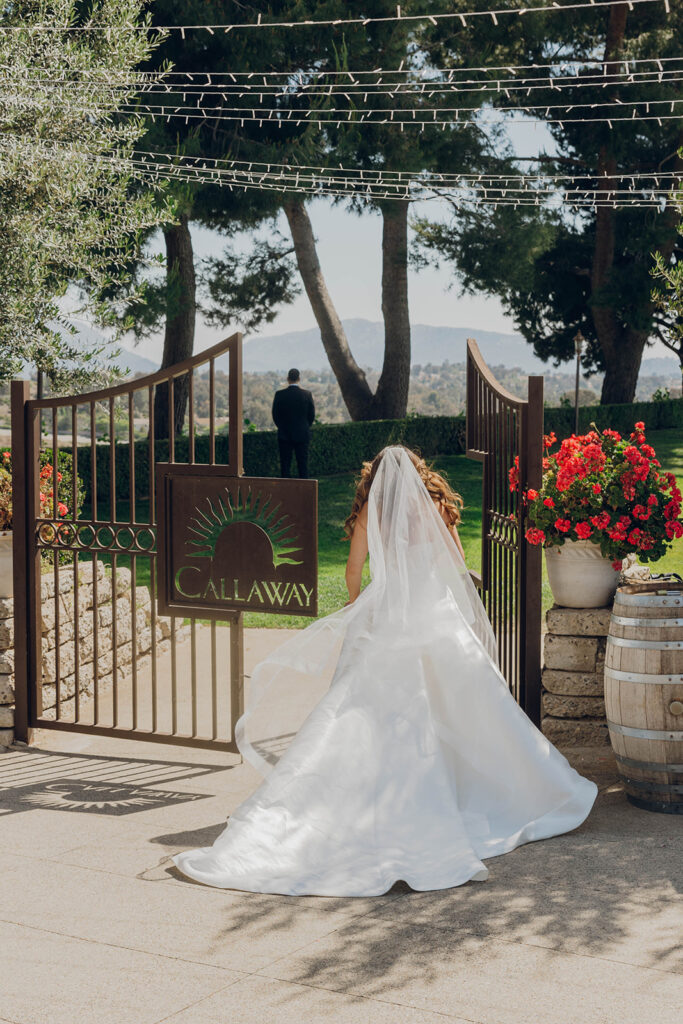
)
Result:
{"points": [[644, 693]]}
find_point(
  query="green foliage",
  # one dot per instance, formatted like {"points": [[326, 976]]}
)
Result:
{"points": [[668, 296], [71, 215], [343, 447], [655, 415], [540, 261], [247, 288], [335, 448]]}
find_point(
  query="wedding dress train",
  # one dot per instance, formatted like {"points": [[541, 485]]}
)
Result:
{"points": [[415, 763]]}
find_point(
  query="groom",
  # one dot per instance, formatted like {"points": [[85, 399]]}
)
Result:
{"points": [[293, 414]]}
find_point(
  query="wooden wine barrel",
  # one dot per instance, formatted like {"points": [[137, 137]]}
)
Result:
{"points": [[644, 693]]}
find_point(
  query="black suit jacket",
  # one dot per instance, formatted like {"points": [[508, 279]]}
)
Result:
{"points": [[293, 413]]}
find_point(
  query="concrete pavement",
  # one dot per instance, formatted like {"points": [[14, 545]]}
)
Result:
{"points": [[97, 927]]}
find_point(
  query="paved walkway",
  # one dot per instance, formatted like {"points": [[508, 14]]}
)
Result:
{"points": [[96, 927]]}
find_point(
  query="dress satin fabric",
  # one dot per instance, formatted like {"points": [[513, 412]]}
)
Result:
{"points": [[391, 746]]}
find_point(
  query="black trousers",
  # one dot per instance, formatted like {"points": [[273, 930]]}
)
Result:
{"points": [[300, 450]]}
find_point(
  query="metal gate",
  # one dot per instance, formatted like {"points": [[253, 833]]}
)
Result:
{"points": [[91, 653], [500, 428]]}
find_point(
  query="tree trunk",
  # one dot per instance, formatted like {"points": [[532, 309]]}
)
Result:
{"points": [[181, 305], [391, 397], [619, 384], [621, 373], [351, 379]]}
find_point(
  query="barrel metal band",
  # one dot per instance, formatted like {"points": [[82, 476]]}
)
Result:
{"points": [[648, 645], [625, 620], [653, 787], [651, 766], [670, 600], [645, 734], [642, 677]]}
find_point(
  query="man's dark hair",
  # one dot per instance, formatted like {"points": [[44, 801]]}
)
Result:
{"points": [[293, 376]]}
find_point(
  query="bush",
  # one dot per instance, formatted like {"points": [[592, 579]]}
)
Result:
{"points": [[660, 415], [335, 448], [343, 447]]}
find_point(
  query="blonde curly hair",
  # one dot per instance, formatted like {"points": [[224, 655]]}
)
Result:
{"points": [[442, 494]]}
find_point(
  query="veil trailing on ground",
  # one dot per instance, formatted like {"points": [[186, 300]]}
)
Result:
{"points": [[392, 744], [420, 593]]}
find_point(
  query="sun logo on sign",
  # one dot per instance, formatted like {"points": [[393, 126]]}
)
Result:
{"points": [[252, 508]]}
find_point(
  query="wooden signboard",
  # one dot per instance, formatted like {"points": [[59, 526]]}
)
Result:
{"points": [[231, 544]]}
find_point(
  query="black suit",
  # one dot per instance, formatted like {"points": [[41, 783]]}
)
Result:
{"points": [[293, 414]]}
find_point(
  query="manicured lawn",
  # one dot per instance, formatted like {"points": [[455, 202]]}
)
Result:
{"points": [[335, 497]]}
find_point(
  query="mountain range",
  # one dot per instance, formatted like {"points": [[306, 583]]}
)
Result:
{"points": [[430, 344]]}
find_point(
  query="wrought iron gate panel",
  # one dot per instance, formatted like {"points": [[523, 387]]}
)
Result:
{"points": [[87, 557], [499, 428]]}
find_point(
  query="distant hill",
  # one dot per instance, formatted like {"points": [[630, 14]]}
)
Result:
{"points": [[429, 345], [136, 363]]}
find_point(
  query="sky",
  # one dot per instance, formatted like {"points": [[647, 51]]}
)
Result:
{"points": [[349, 249]]}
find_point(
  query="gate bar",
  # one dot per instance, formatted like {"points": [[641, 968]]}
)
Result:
{"points": [[25, 445]]}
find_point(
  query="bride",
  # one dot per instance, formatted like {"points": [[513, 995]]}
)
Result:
{"points": [[413, 761]]}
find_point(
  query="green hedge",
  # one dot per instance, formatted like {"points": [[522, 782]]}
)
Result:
{"points": [[655, 415], [335, 448], [343, 447]]}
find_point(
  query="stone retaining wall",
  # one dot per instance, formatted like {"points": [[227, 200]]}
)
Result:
{"points": [[573, 703], [65, 604]]}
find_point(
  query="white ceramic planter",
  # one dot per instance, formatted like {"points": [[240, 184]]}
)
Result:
{"points": [[580, 576], [6, 582]]}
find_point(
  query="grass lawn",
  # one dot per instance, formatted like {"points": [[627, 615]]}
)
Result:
{"points": [[336, 494], [335, 497]]}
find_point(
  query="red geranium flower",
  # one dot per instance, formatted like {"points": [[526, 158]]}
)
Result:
{"points": [[672, 510], [674, 528], [531, 494], [563, 525], [602, 521], [583, 530], [534, 535], [549, 503]]}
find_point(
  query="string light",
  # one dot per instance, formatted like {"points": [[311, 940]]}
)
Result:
{"points": [[511, 69], [490, 197], [433, 19], [388, 176], [644, 189], [281, 117], [163, 86]]}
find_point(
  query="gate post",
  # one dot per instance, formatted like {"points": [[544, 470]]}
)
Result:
{"points": [[530, 577], [26, 578]]}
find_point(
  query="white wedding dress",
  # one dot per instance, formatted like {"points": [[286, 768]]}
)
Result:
{"points": [[415, 763]]}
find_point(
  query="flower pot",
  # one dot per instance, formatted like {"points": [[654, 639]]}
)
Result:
{"points": [[6, 581], [580, 576]]}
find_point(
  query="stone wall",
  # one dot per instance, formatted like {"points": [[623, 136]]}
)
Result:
{"points": [[66, 654], [573, 704]]}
